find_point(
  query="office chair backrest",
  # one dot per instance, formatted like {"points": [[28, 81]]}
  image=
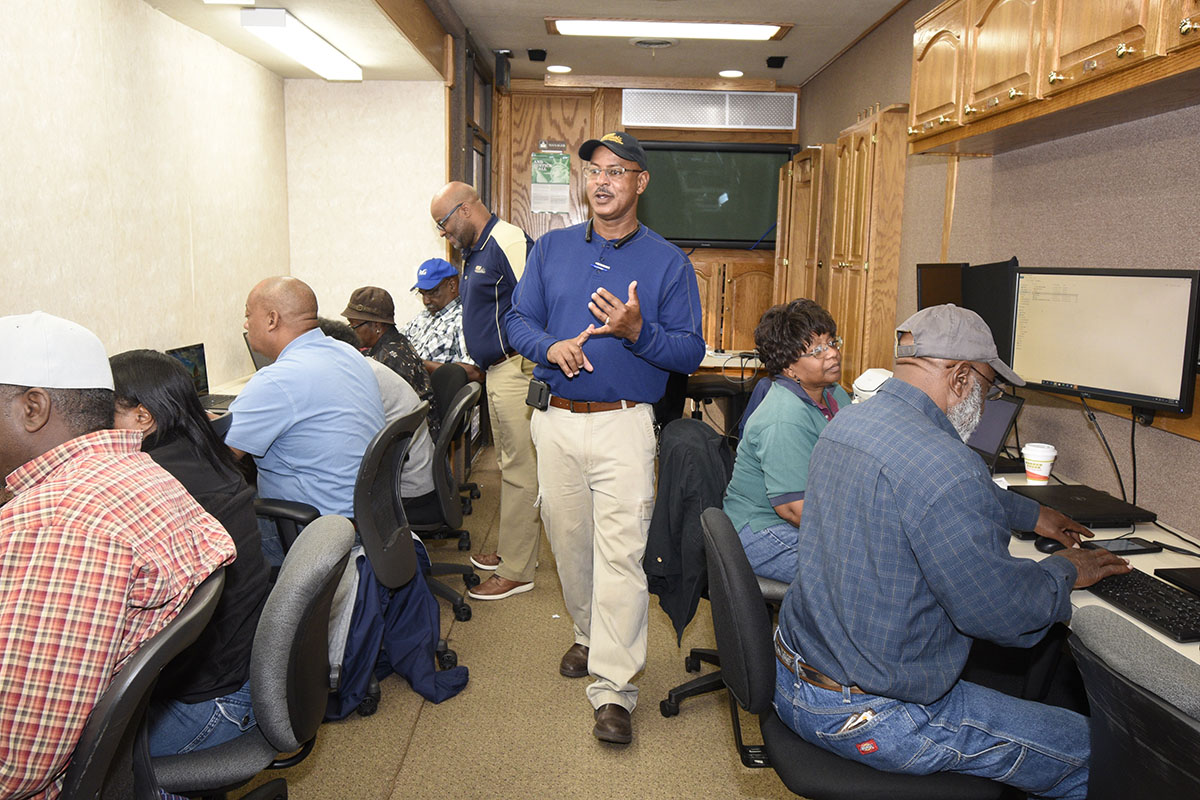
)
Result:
{"points": [[740, 618], [458, 416], [446, 381], [289, 664], [378, 510], [116, 716], [1142, 745]]}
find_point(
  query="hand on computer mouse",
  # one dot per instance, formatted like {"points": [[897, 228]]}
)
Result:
{"points": [[1048, 545]]}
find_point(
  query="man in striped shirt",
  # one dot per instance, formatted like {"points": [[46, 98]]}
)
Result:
{"points": [[99, 546]]}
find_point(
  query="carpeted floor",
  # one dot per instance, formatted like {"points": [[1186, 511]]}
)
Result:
{"points": [[519, 729]]}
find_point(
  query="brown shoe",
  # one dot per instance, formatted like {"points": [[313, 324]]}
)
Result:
{"points": [[488, 561], [613, 724], [497, 588], [574, 662]]}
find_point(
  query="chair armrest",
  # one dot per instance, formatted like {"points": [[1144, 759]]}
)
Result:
{"points": [[290, 516]]}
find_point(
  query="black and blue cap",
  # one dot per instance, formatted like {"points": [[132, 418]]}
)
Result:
{"points": [[624, 145]]}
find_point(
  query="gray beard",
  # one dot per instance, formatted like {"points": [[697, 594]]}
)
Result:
{"points": [[965, 416]]}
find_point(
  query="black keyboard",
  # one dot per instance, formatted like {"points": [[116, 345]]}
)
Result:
{"points": [[220, 401], [1161, 606]]}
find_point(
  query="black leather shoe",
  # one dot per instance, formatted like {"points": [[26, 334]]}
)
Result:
{"points": [[613, 724], [574, 662]]}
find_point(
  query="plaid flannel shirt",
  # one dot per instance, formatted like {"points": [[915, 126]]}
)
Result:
{"points": [[99, 549], [439, 337]]}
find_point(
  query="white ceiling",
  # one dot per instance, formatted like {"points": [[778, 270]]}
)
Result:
{"points": [[364, 33]]}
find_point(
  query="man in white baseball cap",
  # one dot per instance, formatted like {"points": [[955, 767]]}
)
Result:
{"points": [[99, 546]]}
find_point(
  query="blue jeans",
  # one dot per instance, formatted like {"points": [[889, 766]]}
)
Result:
{"points": [[772, 551], [177, 727], [1040, 749]]}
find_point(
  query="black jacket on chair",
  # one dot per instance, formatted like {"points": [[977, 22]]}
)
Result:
{"points": [[694, 466]]}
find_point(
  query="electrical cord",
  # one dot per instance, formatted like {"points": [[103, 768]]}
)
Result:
{"points": [[1091, 416], [1133, 455], [1176, 534]]}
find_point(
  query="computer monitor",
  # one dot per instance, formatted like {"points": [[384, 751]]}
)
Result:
{"points": [[988, 291], [1122, 335], [192, 358]]}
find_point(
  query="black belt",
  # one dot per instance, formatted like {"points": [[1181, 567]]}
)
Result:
{"points": [[502, 359], [804, 672]]}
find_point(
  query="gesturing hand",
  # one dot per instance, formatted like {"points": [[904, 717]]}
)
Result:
{"points": [[623, 320], [568, 354]]}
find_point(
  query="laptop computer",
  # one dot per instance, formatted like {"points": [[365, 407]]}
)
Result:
{"points": [[192, 358], [1087, 506], [989, 438], [259, 359]]}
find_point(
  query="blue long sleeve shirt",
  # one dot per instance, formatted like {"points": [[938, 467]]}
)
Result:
{"points": [[551, 304], [903, 554]]}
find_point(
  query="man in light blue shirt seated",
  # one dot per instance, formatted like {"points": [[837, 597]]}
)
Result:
{"points": [[308, 417]]}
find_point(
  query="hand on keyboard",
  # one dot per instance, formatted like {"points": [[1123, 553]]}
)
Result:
{"points": [[1092, 565]]}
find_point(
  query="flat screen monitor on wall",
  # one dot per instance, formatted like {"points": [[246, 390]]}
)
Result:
{"points": [[712, 194], [1125, 336]]}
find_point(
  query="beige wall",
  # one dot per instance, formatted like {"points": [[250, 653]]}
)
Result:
{"points": [[363, 163], [1117, 197], [142, 176]]}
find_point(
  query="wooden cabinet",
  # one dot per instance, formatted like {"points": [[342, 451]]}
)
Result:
{"points": [[865, 262], [735, 289], [938, 57], [1180, 24], [710, 279], [803, 225], [1087, 39], [1004, 53]]}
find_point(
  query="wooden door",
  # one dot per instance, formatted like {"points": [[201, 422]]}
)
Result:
{"points": [[710, 277], [1086, 39], [843, 188], [798, 278], [863, 164], [748, 283], [1180, 24], [784, 231], [1004, 51], [937, 71]]}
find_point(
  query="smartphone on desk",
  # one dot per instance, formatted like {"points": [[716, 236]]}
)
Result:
{"points": [[1127, 546]]}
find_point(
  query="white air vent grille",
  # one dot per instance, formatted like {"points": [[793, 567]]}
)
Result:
{"points": [[670, 108]]}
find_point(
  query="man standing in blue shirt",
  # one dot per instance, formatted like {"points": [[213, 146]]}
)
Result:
{"points": [[903, 562], [308, 417], [606, 309], [494, 255]]}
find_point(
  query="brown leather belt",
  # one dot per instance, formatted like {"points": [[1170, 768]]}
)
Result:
{"points": [[503, 358], [588, 406], [804, 672]]}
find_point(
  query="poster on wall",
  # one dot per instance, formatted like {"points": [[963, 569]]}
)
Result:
{"points": [[550, 183]]}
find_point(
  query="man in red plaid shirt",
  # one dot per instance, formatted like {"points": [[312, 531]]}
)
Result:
{"points": [[99, 546]]}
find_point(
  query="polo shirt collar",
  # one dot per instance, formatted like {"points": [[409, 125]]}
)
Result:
{"points": [[795, 388], [484, 235], [301, 340]]}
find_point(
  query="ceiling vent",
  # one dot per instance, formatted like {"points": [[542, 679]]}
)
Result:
{"points": [[654, 44], [669, 108]]}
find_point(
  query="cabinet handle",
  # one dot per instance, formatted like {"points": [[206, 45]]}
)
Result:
{"points": [[1013, 94], [1124, 50], [943, 119], [912, 131], [1055, 77], [969, 109], [1186, 26]]}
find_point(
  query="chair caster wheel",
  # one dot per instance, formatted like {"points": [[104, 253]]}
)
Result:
{"points": [[464, 543], [669, 708], [691, 663], [462, 613], [368, 706], [475, 493], [447, 659], [471, 580]]}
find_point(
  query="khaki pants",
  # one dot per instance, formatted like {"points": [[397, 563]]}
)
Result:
{"points": [[520, 530], [596, 473]]}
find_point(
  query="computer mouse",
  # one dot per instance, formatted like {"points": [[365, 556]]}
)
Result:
{"points": [[1048, 545]]}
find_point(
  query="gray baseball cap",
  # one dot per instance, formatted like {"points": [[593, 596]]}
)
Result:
{"points": [[953, 333]]}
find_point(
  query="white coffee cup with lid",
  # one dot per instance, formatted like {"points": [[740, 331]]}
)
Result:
{"points": [[1039, 460]]}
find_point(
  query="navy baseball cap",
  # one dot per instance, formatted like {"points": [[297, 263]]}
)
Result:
{"points": [[624, 145], [433, 272]]}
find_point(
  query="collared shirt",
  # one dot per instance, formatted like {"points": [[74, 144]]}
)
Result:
{"points": [[491, 270], [394, 350], [903, 554], [99, 549], [771, 468], [307, 420], [439, 337], [551, 304]]}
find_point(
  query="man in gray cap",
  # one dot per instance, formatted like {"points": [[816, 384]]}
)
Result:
{"points": [[99, 546], [903, 562]]}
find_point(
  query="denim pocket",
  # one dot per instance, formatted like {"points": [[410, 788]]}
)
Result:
{"points": [[891, 741]]}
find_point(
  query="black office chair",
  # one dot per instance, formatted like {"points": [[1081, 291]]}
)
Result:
{"points": [[289, 673], [1143, 744], [113, 737], [744, 640], [289, 516], [447, 381]]}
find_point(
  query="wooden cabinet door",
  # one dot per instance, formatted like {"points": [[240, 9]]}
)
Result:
{"points": [[1180, 24], [748, 284], [710, 279], [843, 186], [850, 316], [937, 72], [863, 165], [1004, 51], [797, 265], [1086, 39], [783, 231]]}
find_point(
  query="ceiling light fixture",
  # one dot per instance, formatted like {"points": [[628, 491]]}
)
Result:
{"points": [[229, 2], [559, 68], [285, 33], [646, 28], [731, 73]]}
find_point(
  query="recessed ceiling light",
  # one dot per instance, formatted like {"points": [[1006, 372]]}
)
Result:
{"points": [[731, 73], [560, 68], [641, 29]]}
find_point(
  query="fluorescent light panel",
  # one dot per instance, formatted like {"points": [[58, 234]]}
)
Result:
{"points": [[285, 33], [229, 2], [645, 28]]}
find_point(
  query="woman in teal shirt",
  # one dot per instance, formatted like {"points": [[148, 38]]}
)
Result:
{"points": [[801, 351]]}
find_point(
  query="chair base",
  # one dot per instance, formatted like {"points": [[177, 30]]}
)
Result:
{"points": [[712, 682]]}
